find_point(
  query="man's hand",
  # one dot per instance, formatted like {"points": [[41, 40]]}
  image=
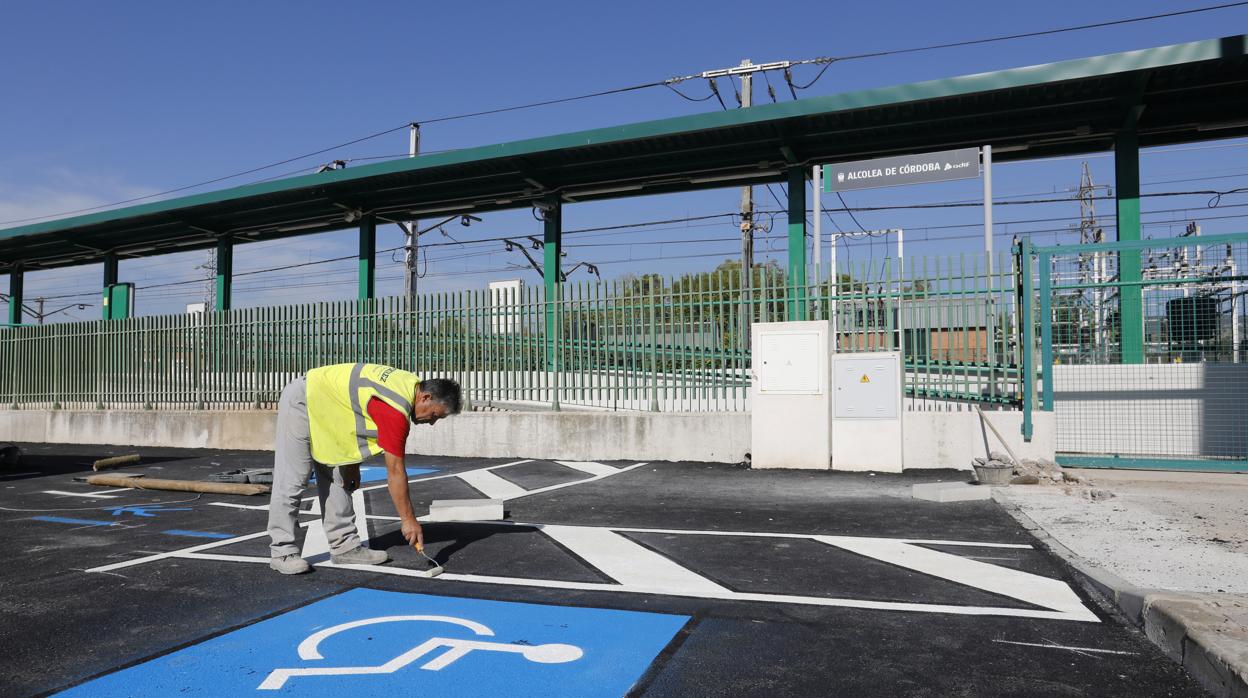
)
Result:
{"points": [[414, 534]]}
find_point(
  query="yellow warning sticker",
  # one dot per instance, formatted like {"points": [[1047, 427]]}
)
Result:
{"points": [[864, 379]]}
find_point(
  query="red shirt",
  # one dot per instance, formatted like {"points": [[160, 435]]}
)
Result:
{"points": [[392, 426]]}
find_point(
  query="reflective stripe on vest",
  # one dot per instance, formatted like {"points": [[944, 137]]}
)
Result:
{"points": [[341, 430]]}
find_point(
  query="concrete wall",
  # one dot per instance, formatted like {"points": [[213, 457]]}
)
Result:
{"points": [[933, 439], [952, 439], [243, 430], [716, 437]]}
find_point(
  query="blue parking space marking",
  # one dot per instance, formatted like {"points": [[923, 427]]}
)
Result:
{"points": [[377, 473], [197, 534], [369, 642], [80, 522]]}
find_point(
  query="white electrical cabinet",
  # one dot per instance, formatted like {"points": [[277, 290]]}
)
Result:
{"points": [[866, 386], [790, 421], [866, 407]]}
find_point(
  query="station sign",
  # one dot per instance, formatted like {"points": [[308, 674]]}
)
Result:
{"points": [[962, 163]]}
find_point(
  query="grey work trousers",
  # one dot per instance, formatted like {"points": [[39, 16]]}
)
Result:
{"points": [[292, 464]]}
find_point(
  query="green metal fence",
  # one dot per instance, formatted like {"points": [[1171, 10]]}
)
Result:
{"points": [[1173, 391], [639, 343]]}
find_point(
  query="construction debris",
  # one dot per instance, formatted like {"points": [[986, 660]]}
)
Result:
{"points": [[254, 476], [1046, 472], [996, 469], [1096, 495], [177, 485], [115, 462]]}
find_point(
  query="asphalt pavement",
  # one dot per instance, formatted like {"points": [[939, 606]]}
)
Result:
{"points": [[645, 579]]}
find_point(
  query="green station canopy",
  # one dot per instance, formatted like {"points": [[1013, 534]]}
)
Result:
{"points": [[1172, 94]]}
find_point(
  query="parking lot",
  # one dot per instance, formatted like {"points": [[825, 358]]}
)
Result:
{"points": [[604, 579]]}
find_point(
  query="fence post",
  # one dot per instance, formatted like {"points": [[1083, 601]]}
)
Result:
{"points": [[1043, 267], [11, 373], [653, 333], [552, 276], [1028, 332]]}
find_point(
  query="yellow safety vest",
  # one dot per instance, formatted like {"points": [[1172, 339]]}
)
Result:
{"points": [[341, 430]]}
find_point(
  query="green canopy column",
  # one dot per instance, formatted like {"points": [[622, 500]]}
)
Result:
{"points": [[552, 249], [1127, 192], [368, 286], [797, 309], [225, 273], [368, 257], [17, 282], [110, 280]]}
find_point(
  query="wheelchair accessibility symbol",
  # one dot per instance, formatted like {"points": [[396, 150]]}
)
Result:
{"points": [[454, 649], [375, 642]]}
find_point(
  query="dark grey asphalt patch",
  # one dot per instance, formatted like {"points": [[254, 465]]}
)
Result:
{"points": [[809, 568], [889, 654], [537, 474], [1033, 561]]}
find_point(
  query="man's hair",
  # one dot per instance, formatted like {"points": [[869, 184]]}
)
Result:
{"points": [[444, 391]]}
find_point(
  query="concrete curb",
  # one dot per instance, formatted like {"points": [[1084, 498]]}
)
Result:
{"points": [[1206, 633], [1126, 596]]}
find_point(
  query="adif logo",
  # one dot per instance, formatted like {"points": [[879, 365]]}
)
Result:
{"points": [[948, 166], [840, 176]]}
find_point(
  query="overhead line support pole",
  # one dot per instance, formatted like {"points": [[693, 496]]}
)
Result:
{"points": [[411, 238], [747, 226]]}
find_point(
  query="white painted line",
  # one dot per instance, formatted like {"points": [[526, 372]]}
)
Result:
{"points": [[361, 516], [1023, 586], [222, 558], [316, 545], [491, 485], [629, 563], [762, 534], [1064, 647], [175, 553], [589, 467], [642, 571], [400, 571], [92, 495], [414, 481], [232, 505], [766, 598], [314, 509], [119, 489]]}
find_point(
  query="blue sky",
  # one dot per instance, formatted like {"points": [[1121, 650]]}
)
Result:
{"points": [[104, 102]]}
